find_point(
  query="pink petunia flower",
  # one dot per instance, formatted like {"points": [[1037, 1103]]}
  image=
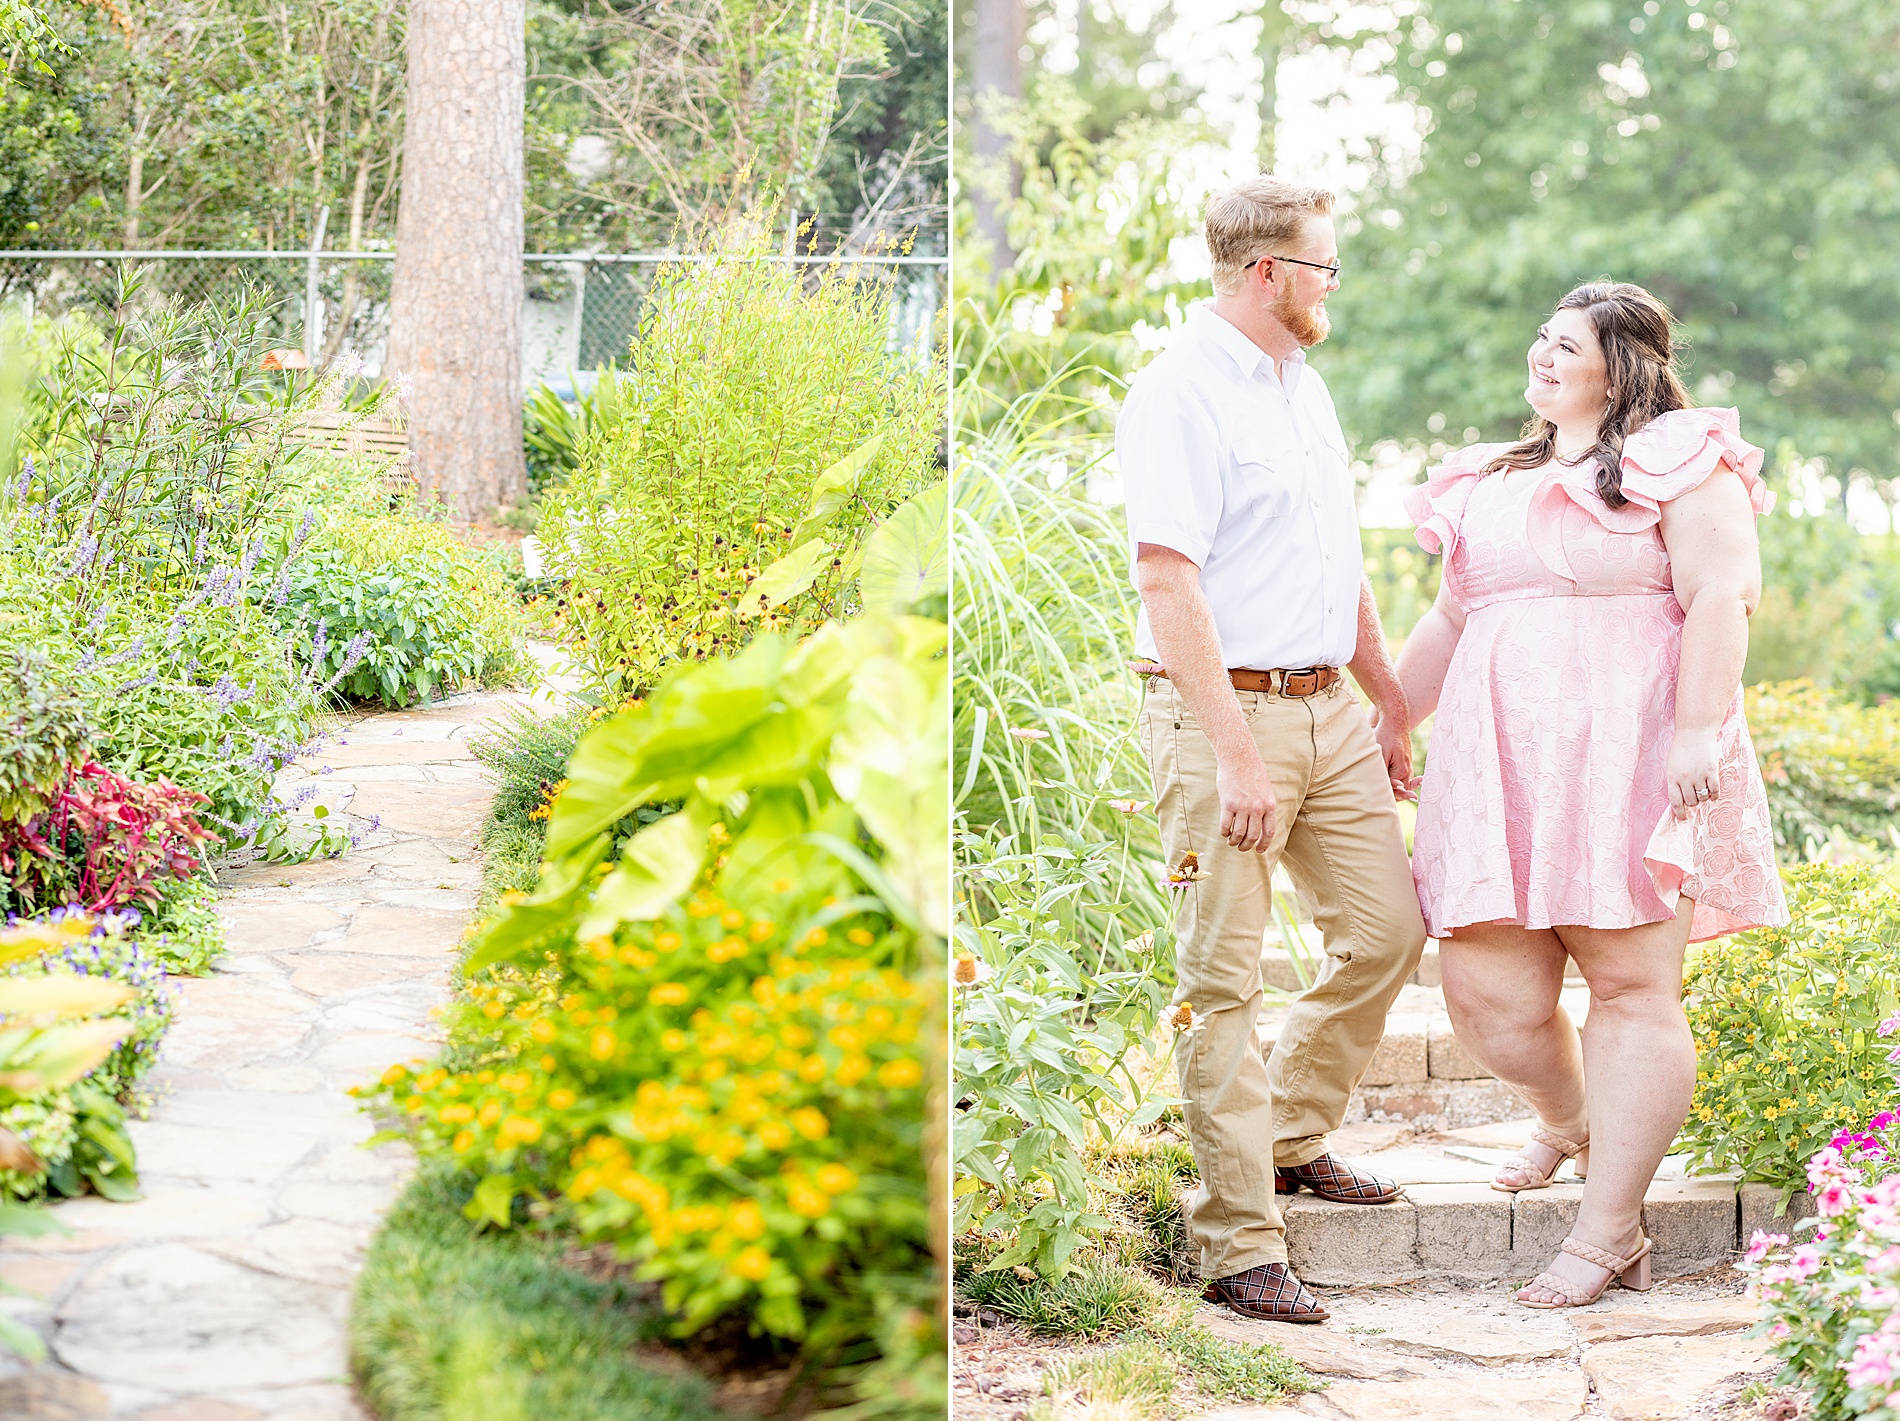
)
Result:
{"points": [[1761, 1241], [1873, 1362], [1833, 1199]]}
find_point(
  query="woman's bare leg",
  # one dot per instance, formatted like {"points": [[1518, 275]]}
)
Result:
{"points": [[1639, 1058], [1501, 988]]}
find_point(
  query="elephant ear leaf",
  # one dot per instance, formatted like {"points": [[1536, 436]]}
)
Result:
{"points": [[907, 560], [657, 866], [786, 578], [835, 486]]}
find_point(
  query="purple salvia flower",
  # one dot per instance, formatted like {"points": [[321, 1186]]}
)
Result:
{"points": [[228, 694], [136, 647], [83, 553], [227, 583], [354, 652], [98, 619], [303, 533]]}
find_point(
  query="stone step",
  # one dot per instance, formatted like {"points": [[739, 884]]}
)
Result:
{"points": [[1421, 1073], [1452, 1224], [1283, 970]]}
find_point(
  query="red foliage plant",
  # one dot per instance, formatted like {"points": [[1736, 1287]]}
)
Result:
{"points": [[104, 842]]}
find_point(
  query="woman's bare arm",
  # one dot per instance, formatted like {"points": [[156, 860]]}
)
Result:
{"points": [[1427, 654], [1715, 563]]}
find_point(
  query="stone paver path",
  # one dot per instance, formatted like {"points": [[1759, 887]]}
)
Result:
{"points": [[223, 1294], [1437, 1351]]}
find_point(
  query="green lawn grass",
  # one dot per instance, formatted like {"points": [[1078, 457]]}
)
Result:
{"points": [[452, 1325]]}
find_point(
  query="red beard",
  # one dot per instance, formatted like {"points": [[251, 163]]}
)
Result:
{"points": [[1309, 325]]}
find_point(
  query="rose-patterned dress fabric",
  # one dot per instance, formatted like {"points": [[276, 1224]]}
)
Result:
{"points": [[1544, 801]]}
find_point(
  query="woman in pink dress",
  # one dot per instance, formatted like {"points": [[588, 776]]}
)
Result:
{"points": [[1591, 789]]}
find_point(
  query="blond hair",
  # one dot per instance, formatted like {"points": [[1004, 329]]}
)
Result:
{"points": [[1251, 218]]}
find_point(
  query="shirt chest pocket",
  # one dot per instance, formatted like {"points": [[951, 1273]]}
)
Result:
{"points": [[1266, 478]]}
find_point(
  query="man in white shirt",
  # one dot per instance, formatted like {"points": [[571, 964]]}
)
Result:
{"points": [[1245, 544]]}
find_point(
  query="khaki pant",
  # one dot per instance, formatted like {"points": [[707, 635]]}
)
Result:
{"points": [[1339, 834]]}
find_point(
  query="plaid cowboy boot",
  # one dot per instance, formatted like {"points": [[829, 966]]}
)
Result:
{"points": [[1269, 1292], [1335, 1180]]}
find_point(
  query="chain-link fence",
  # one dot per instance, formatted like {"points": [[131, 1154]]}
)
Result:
{"points": [[580, 314]]}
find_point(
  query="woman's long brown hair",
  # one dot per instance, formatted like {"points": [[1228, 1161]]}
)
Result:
{"points": [[1633, 329]]}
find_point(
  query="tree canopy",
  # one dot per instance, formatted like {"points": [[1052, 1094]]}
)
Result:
{"points": [[1740, 158], [230, 123]]}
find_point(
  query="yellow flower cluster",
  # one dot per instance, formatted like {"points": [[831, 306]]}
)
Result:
{"points": [[682, 1083], [545, 808]]}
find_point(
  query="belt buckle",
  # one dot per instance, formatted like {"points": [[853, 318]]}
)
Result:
{"points": [[1299, 684]]}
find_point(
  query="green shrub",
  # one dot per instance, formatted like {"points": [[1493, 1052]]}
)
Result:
{"points": [[1058, 867], [76, 1034], [554, 432], [1827, 763], [42, 731], [397, 635], [706, 1045], [419, 609], [1785, 1023], [763, 429], [449, 1324], [162, 501], [526, 758], [1098, 1298]]}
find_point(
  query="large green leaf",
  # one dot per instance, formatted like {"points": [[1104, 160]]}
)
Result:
{"points": [[59, 1055], [890, 762], [907, 560], [787, 577], [29, 1221], [658, 865], [657, 752], [835, 486], [61, 996]]}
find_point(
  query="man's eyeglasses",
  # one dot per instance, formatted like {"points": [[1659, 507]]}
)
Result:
{"points": [[1332, 272]]}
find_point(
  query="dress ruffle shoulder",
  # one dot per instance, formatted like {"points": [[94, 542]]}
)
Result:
{"points": [[1437, 506], [1668, 457]]}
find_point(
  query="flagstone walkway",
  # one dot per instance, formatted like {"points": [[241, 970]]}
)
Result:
{"points": [[223, 1294], [1441, 1351]]}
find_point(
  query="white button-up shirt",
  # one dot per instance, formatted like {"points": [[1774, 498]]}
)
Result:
{"points": [[1243, 471]]}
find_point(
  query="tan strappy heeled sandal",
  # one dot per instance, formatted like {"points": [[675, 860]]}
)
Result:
{"points": [[1634, 1272], [1540, 1179]]}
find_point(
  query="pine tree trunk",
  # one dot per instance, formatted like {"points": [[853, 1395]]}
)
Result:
{"points": [[1001, 29], [1275, 28], [455, 307]]}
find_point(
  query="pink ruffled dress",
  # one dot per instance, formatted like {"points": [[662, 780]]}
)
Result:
{"points": [[1544, 800]]}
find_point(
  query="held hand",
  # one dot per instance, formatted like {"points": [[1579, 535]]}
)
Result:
{"points": [[1246, 805], [1693, 771], [1395, 745]]}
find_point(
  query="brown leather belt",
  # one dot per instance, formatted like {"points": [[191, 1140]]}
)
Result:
{"points": [[1298, 684]]}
